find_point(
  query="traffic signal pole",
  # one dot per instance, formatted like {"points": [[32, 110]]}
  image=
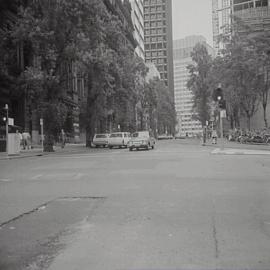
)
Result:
{"points": [[221, 130], [219, 98], [6, 108]]}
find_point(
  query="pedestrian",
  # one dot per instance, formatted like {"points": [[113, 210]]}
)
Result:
{"points": [[18, 139], [214, 136], [204, 135], [63, 138], [26, 139]]}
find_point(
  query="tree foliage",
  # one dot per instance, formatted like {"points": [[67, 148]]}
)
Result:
{"points": [[198, 82], [63, 39]]}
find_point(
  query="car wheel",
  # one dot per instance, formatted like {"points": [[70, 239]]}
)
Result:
{"points": [[110, 147], [153, 146], [130, 149]]}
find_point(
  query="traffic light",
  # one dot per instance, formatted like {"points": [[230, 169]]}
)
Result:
{"points": [[219, 98], [217, 94], [222, 104]]}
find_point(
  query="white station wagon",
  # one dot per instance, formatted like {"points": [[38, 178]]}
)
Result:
{"points": [[119, 139], [100, 140]]}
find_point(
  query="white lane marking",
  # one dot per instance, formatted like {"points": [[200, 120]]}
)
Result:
{"points": [[36, 177], [5, 180]]}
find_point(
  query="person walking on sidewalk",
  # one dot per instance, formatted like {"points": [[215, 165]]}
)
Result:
{"points": [[214, 136], [26, 138]]}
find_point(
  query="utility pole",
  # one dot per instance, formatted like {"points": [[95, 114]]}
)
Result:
{"points": [[6, 108], [219, 98], [42, 134], [221, 129]]}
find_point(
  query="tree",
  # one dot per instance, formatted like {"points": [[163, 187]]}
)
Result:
{"points": [[158, 104], [198, 82], [240, 72], [260, 43], [64, 37]]}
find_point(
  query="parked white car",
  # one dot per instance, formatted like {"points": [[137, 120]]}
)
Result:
{"points": [[100, 140], [119, 139], [142, 139]]}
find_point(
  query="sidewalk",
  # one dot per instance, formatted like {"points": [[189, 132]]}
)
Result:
{"points": [[231, 151], [235, 148], [37, 151]]}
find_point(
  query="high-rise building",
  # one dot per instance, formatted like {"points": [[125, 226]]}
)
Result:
{"points": [[138, 23], [158, 38], [183, 97], [255, 13], [221, 21]]}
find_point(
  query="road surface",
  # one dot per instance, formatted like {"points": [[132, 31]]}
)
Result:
{"points": [[175, 207]]}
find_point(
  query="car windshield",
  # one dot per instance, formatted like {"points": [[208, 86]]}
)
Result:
{"points": [[116, 135], [99, 136], [144, 134]]}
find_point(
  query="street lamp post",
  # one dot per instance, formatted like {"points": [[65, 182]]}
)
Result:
{"points": [[6, 108], [42, 134]]}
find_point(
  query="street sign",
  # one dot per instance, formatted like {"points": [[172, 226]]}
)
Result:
{"points": [[41, 121], [223, 113], [11, 121]]}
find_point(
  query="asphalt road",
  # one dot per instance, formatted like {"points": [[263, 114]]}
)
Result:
{"points": [[176, 207]]}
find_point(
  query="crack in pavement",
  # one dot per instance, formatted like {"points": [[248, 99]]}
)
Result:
{"points": [[215, 237], [44, 205]]}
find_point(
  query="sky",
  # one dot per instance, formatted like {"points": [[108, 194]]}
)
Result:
{"points": [[192, 17]]}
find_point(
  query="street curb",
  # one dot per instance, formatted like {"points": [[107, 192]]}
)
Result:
{"points": [[23, 156], [219, 151], [35, 154]]}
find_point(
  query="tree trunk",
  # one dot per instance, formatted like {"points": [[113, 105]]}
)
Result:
{"points": [[265, 116], [48, 143], [90, 124], [232, 121], [248, 122]]}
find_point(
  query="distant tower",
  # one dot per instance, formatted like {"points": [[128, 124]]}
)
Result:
{"points": [[221, 21], [255, 13], [138, 23], [158, 38], [183, 97]]}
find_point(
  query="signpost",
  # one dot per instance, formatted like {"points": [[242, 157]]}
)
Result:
{"points": [[222, 115], [6, 108], [42, 136]]}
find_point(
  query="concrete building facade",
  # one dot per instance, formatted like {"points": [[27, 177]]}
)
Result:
{"points": [[183, 97], [138, 23], [158, 38], [253, 12]]}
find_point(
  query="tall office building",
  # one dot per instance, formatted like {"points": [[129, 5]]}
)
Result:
{"points": [[183, 97], [255, 13], [221, 21], [158, 38], [138, 23]]}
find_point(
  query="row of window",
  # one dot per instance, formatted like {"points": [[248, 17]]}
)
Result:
{"points": [[153, 2], [156, 53], [157, 31], [155, 46], [155, 39], [158, 60], [152, 17], [154, 9], [155, 24]]}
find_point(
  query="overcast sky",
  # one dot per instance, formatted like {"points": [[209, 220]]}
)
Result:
{"points": [[192, 17]]}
